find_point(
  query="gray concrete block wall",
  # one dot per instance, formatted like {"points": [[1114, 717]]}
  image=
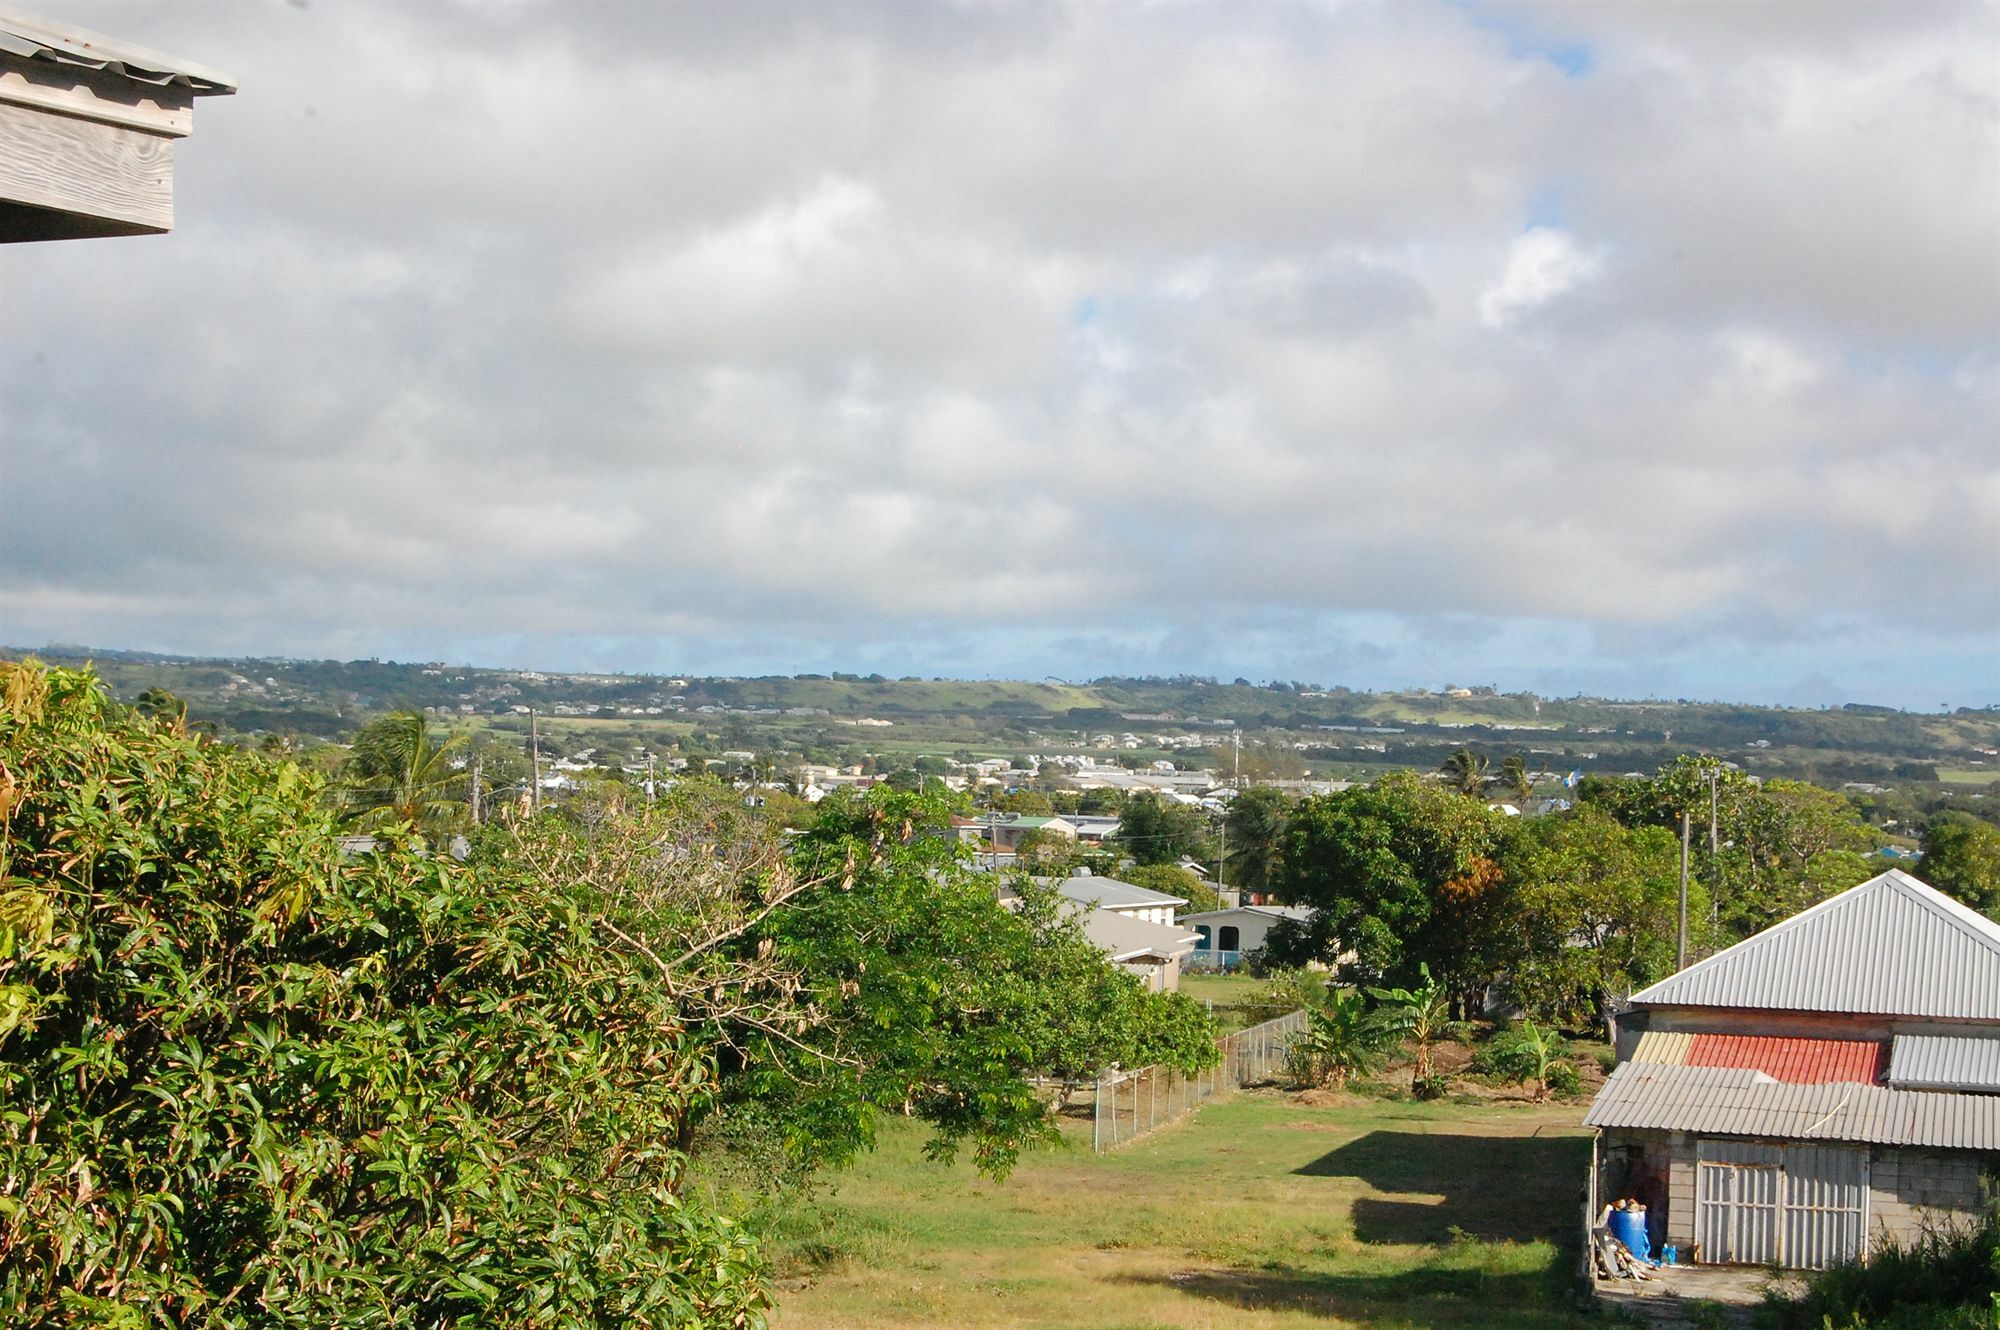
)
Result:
{"points": [[1911, 1189]]}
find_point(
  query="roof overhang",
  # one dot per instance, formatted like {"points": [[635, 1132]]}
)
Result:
{"points": [[87, 128]]}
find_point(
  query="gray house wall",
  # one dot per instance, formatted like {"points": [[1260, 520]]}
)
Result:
{"points": [[1910, 1191]]}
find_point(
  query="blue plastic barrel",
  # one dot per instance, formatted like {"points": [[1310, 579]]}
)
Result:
{"points": [[1629, 1227]]}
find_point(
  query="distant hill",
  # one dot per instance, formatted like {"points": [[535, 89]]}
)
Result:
{"points": [[1326, 730]]}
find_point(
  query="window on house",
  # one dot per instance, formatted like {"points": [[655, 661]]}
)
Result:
{"points": [[1230, 937], [1201, 931]]}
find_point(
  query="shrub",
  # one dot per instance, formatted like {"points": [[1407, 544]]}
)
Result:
{"points": [[251, 1084], [1564, 1082], [1947, 1279], [1528, 1052]]}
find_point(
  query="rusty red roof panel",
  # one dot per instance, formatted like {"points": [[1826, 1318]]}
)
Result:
{"points": [[1794, 1061]]}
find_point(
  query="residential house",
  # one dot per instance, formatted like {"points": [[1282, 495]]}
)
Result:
{"points": [[1227, 935], [1824, 1087], [1008, 830], [1134, 927]]}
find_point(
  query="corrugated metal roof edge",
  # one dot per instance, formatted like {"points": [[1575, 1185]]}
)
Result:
{"points": [[1975, 925], [1733, 1086], [64, 43]]}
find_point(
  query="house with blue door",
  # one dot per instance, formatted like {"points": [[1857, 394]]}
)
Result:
{"points": [[1227, 936]]}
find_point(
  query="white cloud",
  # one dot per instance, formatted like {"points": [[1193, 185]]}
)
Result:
{"points": [[1543, 264], [1088, 332]]}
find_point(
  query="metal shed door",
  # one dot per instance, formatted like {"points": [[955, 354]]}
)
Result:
{"points": [[1738, 1188], [1802, 1206], [1826, 1205]]}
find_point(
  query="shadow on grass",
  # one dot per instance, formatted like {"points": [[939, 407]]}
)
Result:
{"points": [[1505, 1188], [1425, 1297]]}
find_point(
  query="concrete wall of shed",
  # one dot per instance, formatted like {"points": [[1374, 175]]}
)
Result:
{"points": [[1655, 1168], [1910, 1191]]}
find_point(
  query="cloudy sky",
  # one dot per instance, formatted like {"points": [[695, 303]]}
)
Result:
{"points": [[1635, 349]]}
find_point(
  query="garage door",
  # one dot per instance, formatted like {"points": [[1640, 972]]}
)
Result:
{"points": [[1801, 1206]]}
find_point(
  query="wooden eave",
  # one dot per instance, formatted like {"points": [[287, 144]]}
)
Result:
{"points": [[87, 128]]}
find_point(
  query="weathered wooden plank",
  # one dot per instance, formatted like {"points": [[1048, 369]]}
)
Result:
{"points": [[97, 96], [120, 181]]}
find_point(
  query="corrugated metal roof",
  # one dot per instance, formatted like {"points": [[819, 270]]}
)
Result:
{"points": [[1735, 1101], [32, 37], [1892, 946], [1946, 1062], [1792, 1061], [1664, 1048], [1110, 894], [1121, 937]]}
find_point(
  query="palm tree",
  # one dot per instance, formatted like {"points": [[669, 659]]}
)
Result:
{"points": [[398, 772], [1467, 771], [161, 705], [1514, 778]]}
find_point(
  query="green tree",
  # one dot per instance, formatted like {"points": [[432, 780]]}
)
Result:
{"points": [[159, 704], [1255, 827], [1154, 830], [1514, 778], [1080, 1016], [1962, 858], [1048, 853], [249, 1084], [399, 772], [1174, 880], [1598, 906], [1033, 803], [1374, 863], [1465, 770]]}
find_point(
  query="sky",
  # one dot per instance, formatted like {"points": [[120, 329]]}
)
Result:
{"points": [[1638, 350]]}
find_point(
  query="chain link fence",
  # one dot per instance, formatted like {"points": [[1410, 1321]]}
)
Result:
{"points": [[1132, 1103]]}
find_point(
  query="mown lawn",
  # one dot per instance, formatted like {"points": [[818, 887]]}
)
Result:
{"points": [[1261, 1210]]}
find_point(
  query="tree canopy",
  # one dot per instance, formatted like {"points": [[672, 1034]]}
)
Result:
{"points": [[253, 1082]]}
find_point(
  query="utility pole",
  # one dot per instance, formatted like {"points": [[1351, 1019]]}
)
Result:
{"points": [[1221, 853], [475, 791], [650, 759], [1714, 805], [1681, 953], [535, 755]]}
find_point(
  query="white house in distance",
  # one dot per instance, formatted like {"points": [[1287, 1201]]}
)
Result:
{"points": [[1227, 934]]}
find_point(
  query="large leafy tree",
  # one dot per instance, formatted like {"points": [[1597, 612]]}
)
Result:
{"points": [[1396, 874], [1154, 830], [1597, 904], [1962, 857], [251, 1084]]}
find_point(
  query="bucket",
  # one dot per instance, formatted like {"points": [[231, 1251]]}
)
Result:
{"points": [[1629, 1227]]}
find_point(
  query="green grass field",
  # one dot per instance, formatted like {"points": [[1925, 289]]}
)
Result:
{"points": [[1259, 1211]]}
